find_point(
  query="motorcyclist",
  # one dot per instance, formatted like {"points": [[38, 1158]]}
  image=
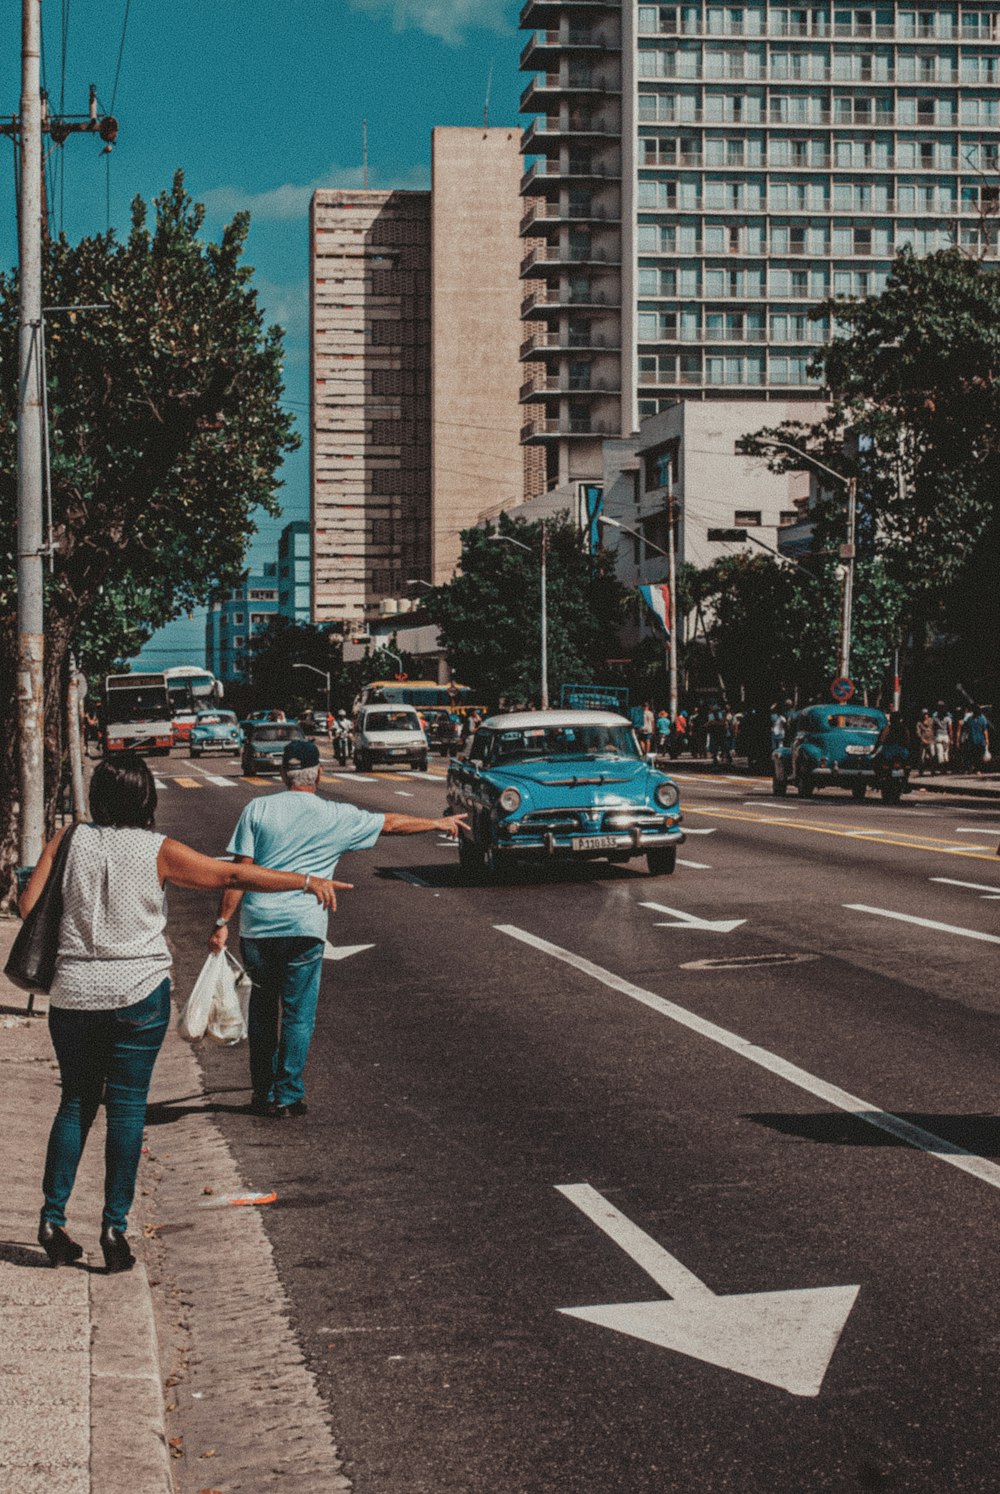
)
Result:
{"points": [[341, 737]]}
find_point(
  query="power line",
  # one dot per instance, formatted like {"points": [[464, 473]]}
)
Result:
{"points": [[121, 53]]}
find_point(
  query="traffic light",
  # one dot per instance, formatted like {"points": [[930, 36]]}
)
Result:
{"points": [[728, 536]]}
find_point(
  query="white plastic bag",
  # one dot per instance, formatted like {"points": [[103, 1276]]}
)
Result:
{"points": [[217, 1007], [194, 1014], [226, 1020]]}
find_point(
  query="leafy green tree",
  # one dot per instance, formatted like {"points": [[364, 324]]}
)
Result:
{"points": [[914, 379], [167, 432], [281, 645], [489, 615], [774, 632]]}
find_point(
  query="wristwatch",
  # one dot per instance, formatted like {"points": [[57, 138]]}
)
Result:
{"points": [[222, 923]]}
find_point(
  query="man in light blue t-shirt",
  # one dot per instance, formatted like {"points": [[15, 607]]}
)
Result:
{"points": [[283, 934]]}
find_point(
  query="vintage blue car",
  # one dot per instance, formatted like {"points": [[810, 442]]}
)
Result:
{"points": [[215, 731], [264, 743], [549, 785], [833, 746]]}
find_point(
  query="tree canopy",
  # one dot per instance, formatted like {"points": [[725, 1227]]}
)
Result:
{"points": [[166, 434], [489, 615], [914, 380]]}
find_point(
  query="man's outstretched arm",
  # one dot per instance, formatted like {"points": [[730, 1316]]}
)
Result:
{"points": [[412, 824]]}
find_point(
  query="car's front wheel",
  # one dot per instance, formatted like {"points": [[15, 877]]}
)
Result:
{"points": [[662, 861], [421, 764], [360, 762]]}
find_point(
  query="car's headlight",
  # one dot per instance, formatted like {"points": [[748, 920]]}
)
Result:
{"points": [[667, 794], [510, 800]]}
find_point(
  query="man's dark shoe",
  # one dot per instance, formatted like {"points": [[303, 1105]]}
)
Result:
{"points": [[265, 1108], [298, 1107]]}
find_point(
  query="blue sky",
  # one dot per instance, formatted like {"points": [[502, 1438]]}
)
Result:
{"points": [[261, 102]]}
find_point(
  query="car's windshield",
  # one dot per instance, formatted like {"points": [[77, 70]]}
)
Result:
{"points": [[392, 721], [275, 733], [853, 722], [206, 719], [563, 741]]}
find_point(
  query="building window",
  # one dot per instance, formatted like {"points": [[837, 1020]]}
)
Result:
{"points": [[788, 516], [747, 518], [237, 618]]}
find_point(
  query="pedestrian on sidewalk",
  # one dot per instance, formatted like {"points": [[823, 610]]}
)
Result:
{"points": [[942, 738], [976, 730], [109, 1003], [283, 941], [925, 738]]}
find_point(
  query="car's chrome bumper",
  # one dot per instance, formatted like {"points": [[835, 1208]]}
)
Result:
{"points": [[551, 844]]}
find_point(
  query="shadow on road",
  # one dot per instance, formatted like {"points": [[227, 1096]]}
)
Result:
{"points": [[973, 1133], [539, 874]]}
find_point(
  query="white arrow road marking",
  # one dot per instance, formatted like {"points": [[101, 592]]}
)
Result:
{"points": [[402, 794], [782, 1338], [696, 865], [925, 923], [692, 920], [343, 951], [831, 1094], [975, 830], [991, 892]]}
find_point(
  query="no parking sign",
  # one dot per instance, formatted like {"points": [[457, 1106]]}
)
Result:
{"points": [[842, 689]]}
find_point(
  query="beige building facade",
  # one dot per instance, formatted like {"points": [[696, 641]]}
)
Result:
{"points": [[415, 424]]}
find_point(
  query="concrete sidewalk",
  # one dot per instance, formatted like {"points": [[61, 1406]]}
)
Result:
{"points": [[81, 1404]]}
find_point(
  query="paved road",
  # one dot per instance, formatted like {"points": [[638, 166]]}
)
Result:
{"points": [[541, 1097]]}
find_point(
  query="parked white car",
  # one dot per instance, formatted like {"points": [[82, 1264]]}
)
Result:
{"points": [[389, 734]]}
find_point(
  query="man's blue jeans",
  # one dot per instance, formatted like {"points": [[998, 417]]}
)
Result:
{"points": [[286, 975], [105, 1056]]}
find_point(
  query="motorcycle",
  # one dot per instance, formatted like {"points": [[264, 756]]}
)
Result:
{"points": [[892, 772], [341, 743]]}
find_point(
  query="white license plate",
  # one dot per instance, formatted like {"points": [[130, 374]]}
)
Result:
{"points": [[593, 842], [397, 751], [854, 751]]}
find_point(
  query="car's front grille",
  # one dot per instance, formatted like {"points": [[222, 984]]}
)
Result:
{"points": [[555, 819], [625, 819]]}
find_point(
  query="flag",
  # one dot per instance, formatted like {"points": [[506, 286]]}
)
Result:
{"points": [[657, 599]]}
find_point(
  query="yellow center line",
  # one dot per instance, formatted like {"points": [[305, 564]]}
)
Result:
{"points": [[915, 843]]}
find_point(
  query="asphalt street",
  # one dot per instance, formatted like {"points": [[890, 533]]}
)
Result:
{"points": [[569, 1140]]}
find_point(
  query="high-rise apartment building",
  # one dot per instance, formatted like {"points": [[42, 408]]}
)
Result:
{"points": [[706, 173], [415, 315]]}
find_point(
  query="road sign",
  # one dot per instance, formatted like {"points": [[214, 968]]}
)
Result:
{"points": [[842, 689]]}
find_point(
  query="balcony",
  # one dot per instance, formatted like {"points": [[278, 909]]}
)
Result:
{"points": [[543, 216], [540, 12], [543, 261], [548, 302], [534, 431], [545, 47], [543, 134], [546, 89], [561, 344], [549, 175], [566, 387]]}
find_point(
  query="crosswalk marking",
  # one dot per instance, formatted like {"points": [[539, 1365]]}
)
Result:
{"points": [[189, 783], [216, 778]]}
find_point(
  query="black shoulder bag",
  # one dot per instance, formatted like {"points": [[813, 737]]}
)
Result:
{"points": [[31, 964]]}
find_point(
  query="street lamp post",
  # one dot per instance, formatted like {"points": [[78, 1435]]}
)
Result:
{"points": [[323, 676], [671, 559], [846, 550], [510, 540]]}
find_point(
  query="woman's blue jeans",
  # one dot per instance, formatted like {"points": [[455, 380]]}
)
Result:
{"points": [[286, 975], [105, 1056]]}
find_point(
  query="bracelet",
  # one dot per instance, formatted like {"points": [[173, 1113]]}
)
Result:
{"points": [[305, 884]]}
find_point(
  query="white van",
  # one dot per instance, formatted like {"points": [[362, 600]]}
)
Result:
{"points": [[389, 734]]}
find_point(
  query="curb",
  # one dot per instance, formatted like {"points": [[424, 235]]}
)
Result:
{"points": [[128, 1436]]}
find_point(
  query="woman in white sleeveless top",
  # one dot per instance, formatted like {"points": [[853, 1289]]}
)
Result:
{"points": [[109, 1005]]}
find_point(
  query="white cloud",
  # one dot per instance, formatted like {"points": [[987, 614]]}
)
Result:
{"points": [[447, 19], [291, 199]]}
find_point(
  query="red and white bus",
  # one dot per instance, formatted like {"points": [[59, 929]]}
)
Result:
{"points": [[191, 690]]}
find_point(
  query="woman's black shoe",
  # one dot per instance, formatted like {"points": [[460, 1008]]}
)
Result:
{"points": [[117, 1255], [60, 1249]]}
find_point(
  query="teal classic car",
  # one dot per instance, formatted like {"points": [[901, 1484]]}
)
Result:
{"points": [[829, 746], [215, 731], [561, 785], [264, 743]]}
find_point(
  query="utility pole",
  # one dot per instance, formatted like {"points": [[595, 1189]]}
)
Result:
{"points": [[545, 618], [847, 556], [32, 543], [672, 587], [30, 588]]}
